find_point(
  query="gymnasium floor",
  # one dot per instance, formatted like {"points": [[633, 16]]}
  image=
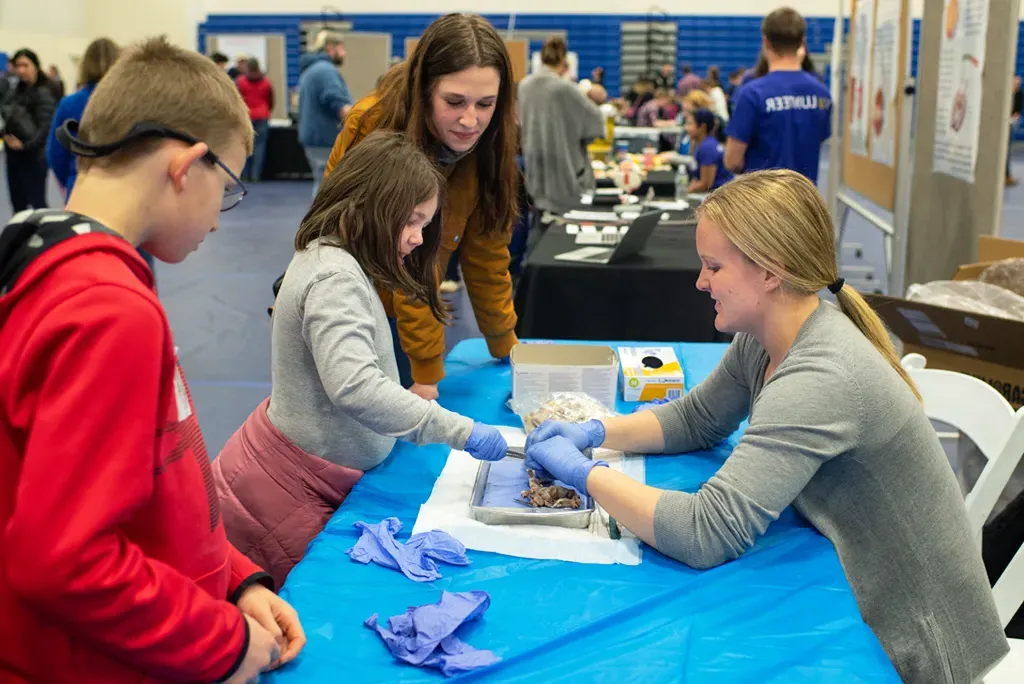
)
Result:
{"points": [[217, 299]]}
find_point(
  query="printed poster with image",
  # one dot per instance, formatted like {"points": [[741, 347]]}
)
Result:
{"points": [[885, 76], [860, 74], [958, 110]]}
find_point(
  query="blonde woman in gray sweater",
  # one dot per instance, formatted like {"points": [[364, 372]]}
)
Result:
{"points": [[836, 429]]}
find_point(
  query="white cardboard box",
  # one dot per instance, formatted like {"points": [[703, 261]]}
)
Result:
{"points": [[538, 369], [650, 373]]}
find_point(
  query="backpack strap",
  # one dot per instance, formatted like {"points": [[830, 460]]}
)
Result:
{"points": [[30, 234]]}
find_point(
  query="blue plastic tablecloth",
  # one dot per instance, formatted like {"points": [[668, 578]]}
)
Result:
{"points": [[783, 612]]}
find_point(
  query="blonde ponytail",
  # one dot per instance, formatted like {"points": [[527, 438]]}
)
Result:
{"points": [[795, 241], [868, 322]]}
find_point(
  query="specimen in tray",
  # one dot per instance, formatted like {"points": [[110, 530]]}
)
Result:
{"points": [[545, 494]]}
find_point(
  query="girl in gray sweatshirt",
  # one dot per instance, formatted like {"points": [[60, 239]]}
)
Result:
{"points": [[836, 429], [336, 406]]}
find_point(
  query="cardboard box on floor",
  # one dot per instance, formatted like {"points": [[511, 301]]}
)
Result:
{"points": [[986, 347]]}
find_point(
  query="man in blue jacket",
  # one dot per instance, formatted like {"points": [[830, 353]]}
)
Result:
{"points": [[324, 100]]}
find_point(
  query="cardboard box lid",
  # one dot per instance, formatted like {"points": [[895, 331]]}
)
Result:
{"points": [[986, 338], [992, 248], [525, 354]]}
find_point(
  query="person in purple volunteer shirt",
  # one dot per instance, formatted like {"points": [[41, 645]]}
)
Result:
{"points": [[781, 119]]}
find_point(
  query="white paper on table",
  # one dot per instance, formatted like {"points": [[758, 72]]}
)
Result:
{"points": [[447, 509]]}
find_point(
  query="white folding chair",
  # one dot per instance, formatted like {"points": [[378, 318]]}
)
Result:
{"points": [[976, 409]]}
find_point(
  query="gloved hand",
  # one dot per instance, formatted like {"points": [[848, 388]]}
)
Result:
{"points": [[559, 457], [486, 443], [589, 435], [651, 404]]}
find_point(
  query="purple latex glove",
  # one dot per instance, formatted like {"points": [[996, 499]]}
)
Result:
{"points": [[414, 559], [560, 457], [589, 435], [486, 443], [425, 636]]}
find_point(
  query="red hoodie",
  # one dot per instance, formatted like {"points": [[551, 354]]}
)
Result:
{"points": [[114, 566], [258, 95]]}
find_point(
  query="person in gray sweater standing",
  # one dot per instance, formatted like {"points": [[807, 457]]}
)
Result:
{"points": [[836, 429], [336, 407], [558, 122]]}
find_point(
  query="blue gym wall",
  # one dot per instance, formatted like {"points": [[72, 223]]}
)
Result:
{"points": [[728, 41]]}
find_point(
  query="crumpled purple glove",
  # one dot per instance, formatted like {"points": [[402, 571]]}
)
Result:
{"points": [[589, 435], [486, 443], [425, 636], [562, 460]]}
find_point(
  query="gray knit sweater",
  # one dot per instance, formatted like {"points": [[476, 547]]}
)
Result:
{"points": [[558, 123], [838, 434], [335, 379]]}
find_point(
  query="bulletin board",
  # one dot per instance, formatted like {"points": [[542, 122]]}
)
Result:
{"points": [[949, 215], [518, 52], [874, 180]]}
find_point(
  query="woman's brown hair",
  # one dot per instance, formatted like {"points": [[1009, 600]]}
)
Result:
{"points": [[451, 44], [364, 204], [97, 60], [554, 51]]}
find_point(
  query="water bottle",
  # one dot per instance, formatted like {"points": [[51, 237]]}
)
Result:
{"points": [[682, 183]]}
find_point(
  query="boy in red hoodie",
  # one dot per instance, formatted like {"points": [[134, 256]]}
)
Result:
{"points": [[114, 566]]}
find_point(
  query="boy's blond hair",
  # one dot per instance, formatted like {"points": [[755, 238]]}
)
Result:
{"points": [[154, 81]]}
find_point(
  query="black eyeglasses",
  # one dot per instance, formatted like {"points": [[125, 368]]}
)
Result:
{"points": [[67, 137]]}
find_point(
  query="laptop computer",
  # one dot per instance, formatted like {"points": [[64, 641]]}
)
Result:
{"points": [[631, 244]]}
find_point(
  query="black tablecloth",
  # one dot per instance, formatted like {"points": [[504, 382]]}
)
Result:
{"points": [[285, 156], [652, 297]]}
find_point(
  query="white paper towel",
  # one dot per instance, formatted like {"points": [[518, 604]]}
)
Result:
{"points": [[447, 509]]}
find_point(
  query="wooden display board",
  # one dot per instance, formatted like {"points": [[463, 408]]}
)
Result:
{"points": [[949, 215], [874, 180], [518, 52]]}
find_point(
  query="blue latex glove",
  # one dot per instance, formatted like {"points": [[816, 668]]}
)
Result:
{"points": [[651, 404], [414, 559], [486, 443], [560, 457], [425, 636], [589, 435]]}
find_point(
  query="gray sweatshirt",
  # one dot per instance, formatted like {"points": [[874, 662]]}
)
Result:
{"points": [[838, 434], [558, 122], [335, 379]]}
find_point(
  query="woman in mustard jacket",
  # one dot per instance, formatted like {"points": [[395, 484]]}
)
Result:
{"points": [[455, 96]]}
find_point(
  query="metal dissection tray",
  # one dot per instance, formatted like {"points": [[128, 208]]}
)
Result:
{"points": [[577, 518]]}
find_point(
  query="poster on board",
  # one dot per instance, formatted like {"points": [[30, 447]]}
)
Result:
{"points": [[885, 74], [244, 46], [860, 74], [958, 110], [571, 58]]}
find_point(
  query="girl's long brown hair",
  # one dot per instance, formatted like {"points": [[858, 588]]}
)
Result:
{"points": [[451, 44], [364, 204]]}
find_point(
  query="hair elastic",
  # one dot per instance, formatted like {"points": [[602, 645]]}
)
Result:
{"points": [[835, 287]]}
